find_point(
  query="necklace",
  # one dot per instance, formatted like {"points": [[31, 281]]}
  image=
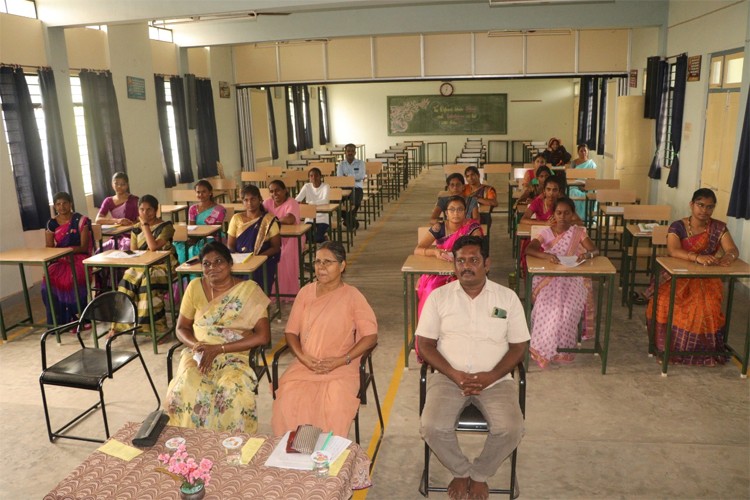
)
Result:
{"points": [[690, 227], [231, 284]]}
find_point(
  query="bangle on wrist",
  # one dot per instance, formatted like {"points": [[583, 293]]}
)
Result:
{"points": [[222, 349], [348, 359]]}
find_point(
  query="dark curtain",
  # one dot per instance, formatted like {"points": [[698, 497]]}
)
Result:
{"points": [[588, 101], [678, 108], [306, 122], [272, 125], [176, 85], [323, 115], [58, 160], [651, 92], [660, 97], [739, 201], [291, 138], [25, 149], [602, 117], [166, 142], [103, 131], [208, 140]]}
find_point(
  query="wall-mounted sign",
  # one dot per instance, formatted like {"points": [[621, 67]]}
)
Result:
{"points": [[633, 78], [694, 69], [136, 88], [224, 90]]}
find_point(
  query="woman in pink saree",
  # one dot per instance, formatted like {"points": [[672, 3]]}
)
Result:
{"points": [[120, 209], [286, 210], [443, 235], [560, 302]]}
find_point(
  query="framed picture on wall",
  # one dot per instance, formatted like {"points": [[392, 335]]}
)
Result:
{"points": [[224, 90]]}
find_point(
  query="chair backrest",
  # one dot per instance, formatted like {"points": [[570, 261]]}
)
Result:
{"points": [[183, 195], [536, 229], [648, 213], [340, 182], [223, 184], [296, 164], [659, 235], [422, 232], [272, 171], [180, 232], [373, 167], [519, 173], [454, 168], [326, 168], [616, 196], [264, 193], [335, 195], [254, 177], [580, 173], [594, 184], [497, 168], [115, 307], [307, 211]]}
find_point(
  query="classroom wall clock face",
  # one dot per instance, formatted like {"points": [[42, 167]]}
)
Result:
{"points": [[446, 89]]}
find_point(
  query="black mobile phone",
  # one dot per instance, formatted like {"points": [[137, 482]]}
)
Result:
{"points": [[129, 252], [192, 261]]}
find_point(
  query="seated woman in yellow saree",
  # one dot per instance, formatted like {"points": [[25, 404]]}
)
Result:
{"points": [[221, 319]]}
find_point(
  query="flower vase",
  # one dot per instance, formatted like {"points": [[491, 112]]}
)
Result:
{"points": [[190, 492]]}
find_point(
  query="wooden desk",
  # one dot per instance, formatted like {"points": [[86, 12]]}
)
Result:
{"points": [[297, 231], [241, 269], [678, 268], [36, 257], [604, 214], [414, 266], [203, 230], [146, 260], [173, 211], [629, 266], [102, 476], [598, 267]]}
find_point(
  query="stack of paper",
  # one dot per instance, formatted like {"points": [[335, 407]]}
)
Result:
{"points": [[239, 258]]}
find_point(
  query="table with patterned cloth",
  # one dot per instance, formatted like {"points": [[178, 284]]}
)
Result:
{"points": [[107, 477]]}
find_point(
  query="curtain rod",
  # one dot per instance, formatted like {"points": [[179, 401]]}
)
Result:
{"points": [[675, 56], [24, 66]]}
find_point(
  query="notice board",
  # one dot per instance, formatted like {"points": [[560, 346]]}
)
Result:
{"points": [[470, 114]]}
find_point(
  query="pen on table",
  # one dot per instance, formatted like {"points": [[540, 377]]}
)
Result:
{"points": [[325, 443]]}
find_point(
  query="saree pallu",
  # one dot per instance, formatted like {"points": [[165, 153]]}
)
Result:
{"points": [[209, 217], [222, 399], [288, 267], [560, 303], [254, 237], [133, 282], [60, 275], [697, 320], [428, 282]]}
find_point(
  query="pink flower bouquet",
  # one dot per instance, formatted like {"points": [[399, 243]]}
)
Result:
{"points": [[183, 468]]}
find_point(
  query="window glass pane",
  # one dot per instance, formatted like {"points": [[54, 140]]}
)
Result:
{"points": [[172, 130], [733, 70], [23, 8], [83, 151], [714, 77]]}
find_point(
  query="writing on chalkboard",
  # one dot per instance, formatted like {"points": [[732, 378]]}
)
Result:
{"points": [[455, 115]]}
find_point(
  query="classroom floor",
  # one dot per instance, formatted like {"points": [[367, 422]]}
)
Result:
{"points": [[628, 434]]}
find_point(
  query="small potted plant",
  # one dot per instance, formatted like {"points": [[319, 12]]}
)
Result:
{"points": [[194, 476]]}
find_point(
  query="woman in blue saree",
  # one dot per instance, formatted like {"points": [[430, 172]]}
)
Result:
{"points": [[205, 212], [256, 231]]}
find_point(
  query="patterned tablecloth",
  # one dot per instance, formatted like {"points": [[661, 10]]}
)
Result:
{"points": [[102, 476]]}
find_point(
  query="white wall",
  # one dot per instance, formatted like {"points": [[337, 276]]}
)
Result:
{"points": [[359, 114]]}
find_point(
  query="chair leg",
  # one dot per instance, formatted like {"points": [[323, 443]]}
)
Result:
{"points": [[53, 435], [380, 416], [104, 412], [148, 376], [46, 413], [424, 486]]}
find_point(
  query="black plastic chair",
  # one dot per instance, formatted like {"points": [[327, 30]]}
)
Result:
{"points": [[253, 356], [89, 367], [366, 378], [471, 420]]}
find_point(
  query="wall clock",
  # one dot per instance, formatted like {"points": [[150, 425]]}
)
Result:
{"points": [[446, 89]]}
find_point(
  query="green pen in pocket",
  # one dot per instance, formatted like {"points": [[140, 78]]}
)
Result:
{"points": [[499, 313]]}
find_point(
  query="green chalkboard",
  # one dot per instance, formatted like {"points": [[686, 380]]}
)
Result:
{"points": [[455, 115]]}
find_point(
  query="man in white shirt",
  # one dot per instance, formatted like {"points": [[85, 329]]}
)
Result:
{"points": [[352, 167], [473, 332], [315, 192]]}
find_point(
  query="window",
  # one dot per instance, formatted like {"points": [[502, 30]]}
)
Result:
{"points": [[292, 118], [83, 150], [161, 34], [726, 70], [25, 8], [172, 130]]}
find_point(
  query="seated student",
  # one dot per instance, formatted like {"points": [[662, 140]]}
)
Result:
{"points": [[122, 209], [438, 243], [539, 161], [559, 302], [473, 351], [256, 231], [330, 326], [583, 161], [68, 229], [150, 233], [315, 192], [535, 187], [483, 193], [205, 212], [286, 210], [698, 321], [455, 187], [221, 318], [555, 154]]}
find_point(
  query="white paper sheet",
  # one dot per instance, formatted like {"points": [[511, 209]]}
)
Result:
{"points": [[239, 258], [298, 461], [118, 254], [569, 260]]}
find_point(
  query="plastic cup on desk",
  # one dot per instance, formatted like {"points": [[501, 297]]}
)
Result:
{"points": [[174, 443], [321, 462], [233, 447]]}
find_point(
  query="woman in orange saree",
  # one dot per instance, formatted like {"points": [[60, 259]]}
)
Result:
{"points": [[697, 321]]}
